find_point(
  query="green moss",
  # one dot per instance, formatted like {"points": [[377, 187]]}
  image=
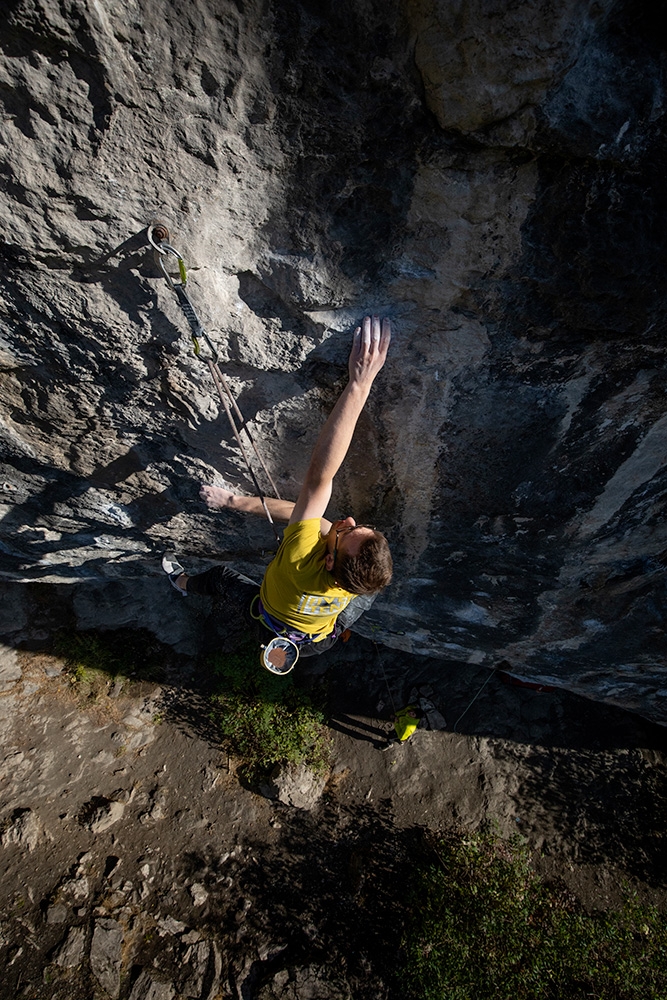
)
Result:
{"points": [[264, 719], [94, 659], [484, 925]]}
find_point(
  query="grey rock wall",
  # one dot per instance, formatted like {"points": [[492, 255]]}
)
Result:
{"points": [[491, 178]]}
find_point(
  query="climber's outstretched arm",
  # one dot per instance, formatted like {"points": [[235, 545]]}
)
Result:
{"points": [[220, 499], [217, 498], [369, 351], [368, 355]]}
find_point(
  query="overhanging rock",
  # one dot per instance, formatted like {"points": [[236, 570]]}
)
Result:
{"points": [[495, 184]]}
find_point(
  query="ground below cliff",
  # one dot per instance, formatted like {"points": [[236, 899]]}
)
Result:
{"points": [[134, 862]]}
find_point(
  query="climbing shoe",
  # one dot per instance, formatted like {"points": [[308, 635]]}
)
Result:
{"points": [[174, 570]]}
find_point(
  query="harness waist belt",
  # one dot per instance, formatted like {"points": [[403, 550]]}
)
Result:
{"points": [[280, 628]]}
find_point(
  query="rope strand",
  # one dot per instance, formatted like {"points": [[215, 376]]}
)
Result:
{"points": [[158, 236], [474, 699]]}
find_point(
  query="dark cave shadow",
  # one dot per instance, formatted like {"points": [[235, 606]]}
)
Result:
{"points": [[597, 772], [502, 708], [600, 772]]}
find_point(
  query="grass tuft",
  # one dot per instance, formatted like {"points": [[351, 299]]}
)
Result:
{"points": [[265, 720], [484, 925], [94, 659]]}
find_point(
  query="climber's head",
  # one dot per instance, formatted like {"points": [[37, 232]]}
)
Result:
{"points": [[358, 557]]}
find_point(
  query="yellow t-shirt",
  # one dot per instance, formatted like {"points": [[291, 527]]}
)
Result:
{"points": [[297, 589]]}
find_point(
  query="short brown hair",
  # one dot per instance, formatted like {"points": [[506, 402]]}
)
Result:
{"points": [[369, 571]]}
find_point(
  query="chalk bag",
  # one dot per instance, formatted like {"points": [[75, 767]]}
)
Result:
{"points": [[279, 655]]}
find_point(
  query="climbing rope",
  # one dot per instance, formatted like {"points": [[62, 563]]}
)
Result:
{"points": [[472, 702], [374, 629], [158, 237], [492, 674]]}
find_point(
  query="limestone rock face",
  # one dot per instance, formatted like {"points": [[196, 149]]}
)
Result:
{"points": [[483, 63], [296, 786], [493, 179]]}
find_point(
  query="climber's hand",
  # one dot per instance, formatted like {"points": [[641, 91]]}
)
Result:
{"points": [[369, 349], [217, 498]]}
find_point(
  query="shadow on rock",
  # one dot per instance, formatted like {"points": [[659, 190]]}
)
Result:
{"points": [[596, 772], [320, 904]]}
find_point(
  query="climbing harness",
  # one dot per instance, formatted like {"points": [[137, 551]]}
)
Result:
{"points": [[293, 637], [260, 614], [158, 237]]}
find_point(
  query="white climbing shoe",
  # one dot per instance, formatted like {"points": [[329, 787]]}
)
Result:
{"points": [[173, 569]]}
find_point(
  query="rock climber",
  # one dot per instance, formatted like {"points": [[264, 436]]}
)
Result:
{"points": [[325, 574]]}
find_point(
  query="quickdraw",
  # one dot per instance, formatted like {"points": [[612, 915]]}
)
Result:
{"points": [[158, 237]]}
